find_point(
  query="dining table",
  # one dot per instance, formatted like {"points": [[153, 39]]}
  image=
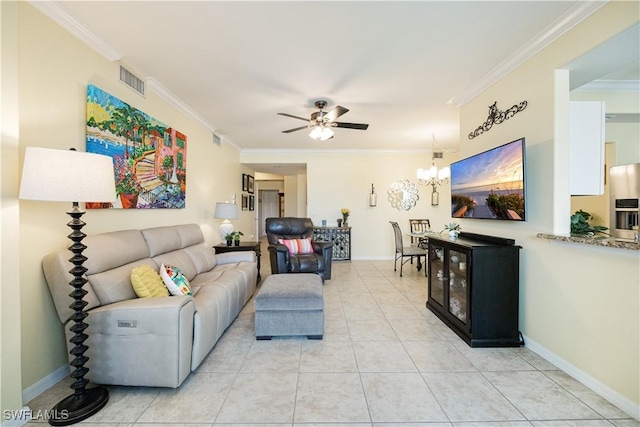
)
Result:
{"points": [[423, 242]]}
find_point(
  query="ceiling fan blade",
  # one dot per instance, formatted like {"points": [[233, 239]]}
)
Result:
{"points": [[294, 129], [335, 113], [360, 126], [293, 117]]}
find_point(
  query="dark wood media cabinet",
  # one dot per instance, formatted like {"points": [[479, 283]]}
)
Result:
{"points": [[473, 288]]}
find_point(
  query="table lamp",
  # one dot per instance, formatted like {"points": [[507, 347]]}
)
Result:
{"points": [[226, 211], [72, 176]]}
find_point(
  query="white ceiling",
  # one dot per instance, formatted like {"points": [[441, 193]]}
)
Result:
{"points": [[395, 65]]}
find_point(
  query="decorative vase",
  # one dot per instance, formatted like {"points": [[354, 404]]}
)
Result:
{"points": [[237, 242], [339, 223], [344, 220], [129, 201], [453, 234], [229, 242]]}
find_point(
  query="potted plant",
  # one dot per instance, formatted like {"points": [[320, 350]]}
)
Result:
{"points": [[234, 236], [453, 228], [580, 225]]}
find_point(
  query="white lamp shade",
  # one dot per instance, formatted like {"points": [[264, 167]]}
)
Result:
{"points": [[443, 173], [316, 132], [226, 211], [67, 176]]}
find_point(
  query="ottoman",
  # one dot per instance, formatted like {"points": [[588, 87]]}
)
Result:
{"points": [[290, 304]]}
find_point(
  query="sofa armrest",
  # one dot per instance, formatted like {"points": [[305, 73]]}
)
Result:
{"points": [[231, 257], [321, 246], [142, 341], [326, 250], [279, 257]]}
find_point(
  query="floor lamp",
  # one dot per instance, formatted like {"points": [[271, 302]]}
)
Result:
{"points": [[72, 176]]}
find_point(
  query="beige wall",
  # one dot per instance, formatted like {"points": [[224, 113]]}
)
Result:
{"points": [[10, 290], [342, 179], [580, 305], [55, 69]]}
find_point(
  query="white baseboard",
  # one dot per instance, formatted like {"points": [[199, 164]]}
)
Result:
{"points": [[631, 408], [44, 384], [372, 258]]}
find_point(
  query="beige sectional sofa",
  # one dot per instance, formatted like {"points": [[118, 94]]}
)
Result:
{"points": [[152, 341]]}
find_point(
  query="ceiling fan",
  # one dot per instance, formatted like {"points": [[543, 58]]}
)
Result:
{"points": [[322, 121]]}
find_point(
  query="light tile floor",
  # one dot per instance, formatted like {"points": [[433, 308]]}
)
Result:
{"points": [[385, 360]]}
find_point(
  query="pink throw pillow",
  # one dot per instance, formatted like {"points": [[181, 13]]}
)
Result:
{"points": [[298, 246]]}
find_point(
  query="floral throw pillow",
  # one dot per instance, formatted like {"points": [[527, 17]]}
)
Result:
{"points": [[298, 246], [174, 280]]}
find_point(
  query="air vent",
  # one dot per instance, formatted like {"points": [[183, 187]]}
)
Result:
{"points": [[437, 154], [131, 80]]}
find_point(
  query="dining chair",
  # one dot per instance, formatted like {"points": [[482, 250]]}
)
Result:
{"points": [[419, 226], [407, 252]]}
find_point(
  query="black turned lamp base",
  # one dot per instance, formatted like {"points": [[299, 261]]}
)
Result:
{"points": [[73, 408]]}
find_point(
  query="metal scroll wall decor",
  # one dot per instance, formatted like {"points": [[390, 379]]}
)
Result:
{"points": [[403, 195], [496, 117]]}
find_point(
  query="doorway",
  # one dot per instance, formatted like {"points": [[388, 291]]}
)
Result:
{"points": [[269, 201]]}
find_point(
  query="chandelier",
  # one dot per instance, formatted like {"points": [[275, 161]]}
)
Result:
{"points": [[434, 176]]}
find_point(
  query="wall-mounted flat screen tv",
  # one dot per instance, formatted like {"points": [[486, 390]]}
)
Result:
{"points": [[491, 184]]}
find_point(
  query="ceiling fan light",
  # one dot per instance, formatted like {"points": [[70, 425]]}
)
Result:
{"points": [[325, 133], [316, 132]]}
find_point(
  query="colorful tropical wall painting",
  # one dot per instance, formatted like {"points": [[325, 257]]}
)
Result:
{"points": [[149, 157]]}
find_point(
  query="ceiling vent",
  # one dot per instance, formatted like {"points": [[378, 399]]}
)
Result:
{"points": [[131, 80], [437, 154]]}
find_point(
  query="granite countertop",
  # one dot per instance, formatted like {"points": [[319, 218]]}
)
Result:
{"points": [[608, 242]]}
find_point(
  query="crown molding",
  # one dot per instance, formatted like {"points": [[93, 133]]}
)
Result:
{"points": [[610, 86], [333, 151], [563, 24], [57, 13], [159, 89]]}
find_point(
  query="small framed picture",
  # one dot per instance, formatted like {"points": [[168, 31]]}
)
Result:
{"points": [[250, 184], [245, 202], [251, 202], [245, 182]]}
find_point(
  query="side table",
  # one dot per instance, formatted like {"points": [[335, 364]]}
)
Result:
{"points": [[243, 246]]}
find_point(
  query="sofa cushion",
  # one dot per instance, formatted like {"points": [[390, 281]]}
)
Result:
{"points": [[115, 249], [115, 285], [202, 257], [162, 239], [175, 281], [190, 234], [147, 282], [180, 259]]}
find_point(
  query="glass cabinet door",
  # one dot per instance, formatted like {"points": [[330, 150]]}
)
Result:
{"points": [[436, 274], [457, 266]]}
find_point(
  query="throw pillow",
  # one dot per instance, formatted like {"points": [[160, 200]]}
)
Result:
{"points": [[147, 283], [175, 281], [298, 246]]}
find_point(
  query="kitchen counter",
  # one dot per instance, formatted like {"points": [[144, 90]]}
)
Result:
{"points": [[609, 242]]}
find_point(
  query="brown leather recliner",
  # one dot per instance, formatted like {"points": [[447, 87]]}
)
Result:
{"points": [[297, 228]]}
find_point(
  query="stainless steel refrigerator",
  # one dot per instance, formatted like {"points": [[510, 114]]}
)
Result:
{"points": [[625, 192]]}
